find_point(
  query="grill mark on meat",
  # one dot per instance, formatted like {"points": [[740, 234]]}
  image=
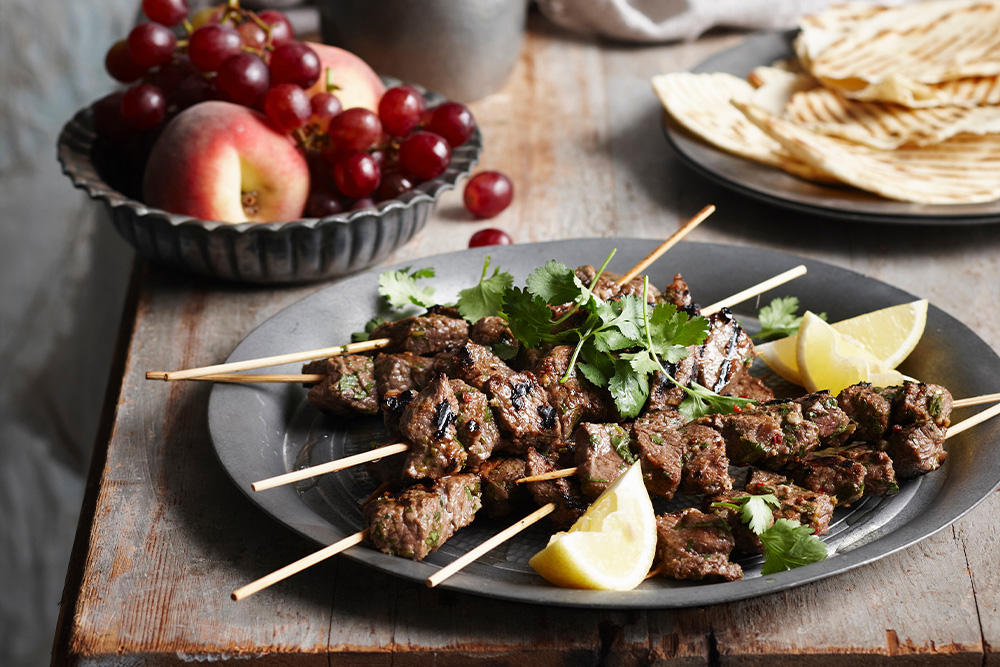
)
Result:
{"points": [[548, 415], [444, 417], [518, 392], [730, 354]]}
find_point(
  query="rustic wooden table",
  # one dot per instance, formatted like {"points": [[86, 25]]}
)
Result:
{"points": [[165, 537]]}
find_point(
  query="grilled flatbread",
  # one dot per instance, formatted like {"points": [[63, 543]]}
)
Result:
{"points": [[700, 103], [900, 54], [964, 169]]}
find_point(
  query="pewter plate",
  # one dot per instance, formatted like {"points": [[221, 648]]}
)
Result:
{"points": [[779, 188], [259, 431]]}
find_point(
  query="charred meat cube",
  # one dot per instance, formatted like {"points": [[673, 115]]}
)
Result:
{"points": [[870, 408], [661, 451], [349, 387], [424, 335], [721, 363], [918, 402], [915, 449], [807, 507], [834, 475], [493, 332], [575, 400], [706, 466], [522, 410], [403, 371], [602, 454], [417, 521], [880, 476], [771, 432], [677, 292], [394, 404], [835, 427], [475, 427], [693, 545], [501, 492], [607, 287], [475, 364], [428, 422], [564, 492]]}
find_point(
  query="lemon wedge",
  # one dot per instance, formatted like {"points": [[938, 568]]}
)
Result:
{"points": [[610, 547], [887, 335], [828, 359]]}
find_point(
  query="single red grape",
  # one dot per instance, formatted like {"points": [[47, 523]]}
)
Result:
{"points": [[151, 44], [354, 129], [143, 106], [322, 204], [253, 36], [192, 90], [120, 65], [324, 107], [295, 62], [400, 110], [281, 28], [424, 154], [453, 121], [486, 237], [393, 184], [488, 193], [243, 79], [356, 175], [167, 12], [287, 106], [169, 76], [212, 44]]}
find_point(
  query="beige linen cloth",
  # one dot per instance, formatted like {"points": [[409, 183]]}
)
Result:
{"points": [[671, 20]]}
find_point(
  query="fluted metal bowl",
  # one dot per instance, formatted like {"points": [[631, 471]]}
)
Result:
{"points": [[307, 250]]}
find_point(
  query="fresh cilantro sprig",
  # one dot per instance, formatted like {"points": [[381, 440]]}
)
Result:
{"points": [[401, 290], [788, 543], [483, 300], [778, 319]]}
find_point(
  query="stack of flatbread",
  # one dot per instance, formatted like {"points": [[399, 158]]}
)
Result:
{"points": [[903, 102]]}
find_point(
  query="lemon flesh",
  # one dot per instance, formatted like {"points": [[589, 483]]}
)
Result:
{"points": [[610, 547], [830, 360], [888, 336]]}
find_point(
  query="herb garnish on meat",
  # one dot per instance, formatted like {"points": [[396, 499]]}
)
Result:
{"points": [[778, 319]]}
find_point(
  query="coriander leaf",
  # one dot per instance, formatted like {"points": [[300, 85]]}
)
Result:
{"points": [[629, 389], [788, 544], [778, 319], [528, 316], [556, 283], [401, 289], [597, 367], [642, 362], [672, 332], [484, 299], [701, 401], [756, 511]]}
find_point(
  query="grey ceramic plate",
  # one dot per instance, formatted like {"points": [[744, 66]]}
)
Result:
{"points": [[782, 189], [264, 430]]}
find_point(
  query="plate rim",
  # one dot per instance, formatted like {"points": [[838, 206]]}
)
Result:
{"points": [[466, 582]]}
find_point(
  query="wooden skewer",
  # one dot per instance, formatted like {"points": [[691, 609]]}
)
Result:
{"points": [[331, 466], [251, 378], [974, 420], [975, 400], [249, 364], [552, 474], [489, 544], [668, 244], [754, 290], [299, 565]]}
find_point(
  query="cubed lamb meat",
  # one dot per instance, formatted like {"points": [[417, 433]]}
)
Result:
{"points": [[523, 412], [693, 545], [607, 286], [425, 335], [602, 454], [576, 400], [919, 402], [870, 408], [771, 432], [475, 364], [661, 451], [677, 293], [880, 476], [349, 387], [428, 422], [834, 475], [493, 332], [417, 521], [393, 404], [502, 495], [835, 427], [916, 449], [403, 371], [705, 464], [475, 426], [564, 492], [807, 507]]}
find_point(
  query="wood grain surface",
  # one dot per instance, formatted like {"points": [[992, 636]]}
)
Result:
{"points": [[165, 537]]}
